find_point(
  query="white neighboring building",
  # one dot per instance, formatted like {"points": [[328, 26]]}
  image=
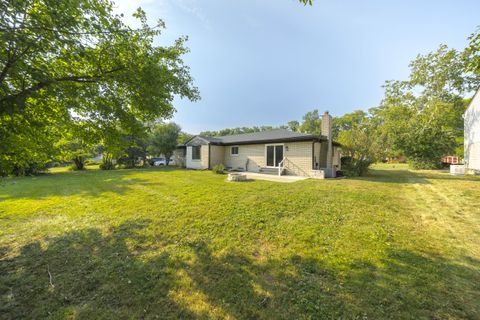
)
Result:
{"points": [[472, 135]]}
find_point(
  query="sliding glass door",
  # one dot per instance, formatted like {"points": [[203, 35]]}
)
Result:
{"points": [[274, 155]]}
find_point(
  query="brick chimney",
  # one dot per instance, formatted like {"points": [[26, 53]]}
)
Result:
{"points": [[327, 132]]}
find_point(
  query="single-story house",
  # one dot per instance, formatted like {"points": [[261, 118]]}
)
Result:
{"points": [[472, 135], [275, 151]]}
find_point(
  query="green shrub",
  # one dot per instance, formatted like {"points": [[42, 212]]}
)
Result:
{"points": [[424, 164], [219, 169], [355, 167], [29, 169], [74, 167], [109, 165], [53, 164], [91, 163]]}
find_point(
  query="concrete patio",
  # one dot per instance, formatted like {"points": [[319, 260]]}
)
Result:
{"points": [[274, 178]]}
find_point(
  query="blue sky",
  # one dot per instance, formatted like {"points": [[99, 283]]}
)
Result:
{"points": [[266, 62]]}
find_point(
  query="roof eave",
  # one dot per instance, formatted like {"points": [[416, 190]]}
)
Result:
{"points": [[266, 141], [277, 140]]}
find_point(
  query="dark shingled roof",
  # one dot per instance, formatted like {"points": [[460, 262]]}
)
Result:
{"points": [[271, 136]]}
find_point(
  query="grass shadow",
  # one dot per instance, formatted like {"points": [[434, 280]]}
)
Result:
{"points": [[93, 183], [393, 176], [128, 273], [88, 275], [411, 176]]}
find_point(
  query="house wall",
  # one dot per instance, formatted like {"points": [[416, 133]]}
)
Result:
{"points": [[323, 155], [253, 153], [198, 164], [252, 158], [217, 155], [337, 158], [472, 135], [317, 155], [299, 158], [203, 162], [179, 156]]}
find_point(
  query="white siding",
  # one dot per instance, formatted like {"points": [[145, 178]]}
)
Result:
{"points": [[198, 164], [472, 134], [203, 162]]}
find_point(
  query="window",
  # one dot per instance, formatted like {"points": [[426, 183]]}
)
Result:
{"points": [[196, 155], [234, 151]]}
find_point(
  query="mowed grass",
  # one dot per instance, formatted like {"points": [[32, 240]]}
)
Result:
{"points": [[164, 243]]}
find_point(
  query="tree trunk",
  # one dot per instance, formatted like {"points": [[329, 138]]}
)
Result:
{"points": [[79, 163], [167, 159]]}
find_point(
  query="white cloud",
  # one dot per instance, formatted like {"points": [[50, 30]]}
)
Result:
{"points": [[160, 9], [155, 9], [192, 7]]}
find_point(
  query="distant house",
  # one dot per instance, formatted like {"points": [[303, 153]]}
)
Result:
{"points": [[275, 151], [472, 135], [97, 158], [450, 160]]}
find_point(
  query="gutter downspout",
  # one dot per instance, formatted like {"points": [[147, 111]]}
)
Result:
{"points": [[313, 155], [209, 158], [327, 131]]}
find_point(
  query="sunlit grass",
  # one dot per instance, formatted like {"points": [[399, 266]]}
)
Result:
{"points": [[181, 244]]}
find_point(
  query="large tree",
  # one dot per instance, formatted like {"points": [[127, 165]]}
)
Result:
{"points": [[422, 116], [312, 123], [471, 54], [164, 140], [78, 143], [361, 143], [62, 60]]}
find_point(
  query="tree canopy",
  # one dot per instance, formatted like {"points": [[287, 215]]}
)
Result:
{"points": [[305, 2], [69, 61], [164, 140], [422, 117]]}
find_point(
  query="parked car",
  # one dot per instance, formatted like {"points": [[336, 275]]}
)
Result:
{"points": [[152, 161], [161, 162]]}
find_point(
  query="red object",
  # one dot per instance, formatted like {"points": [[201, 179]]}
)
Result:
{"points": [[451, 160]]}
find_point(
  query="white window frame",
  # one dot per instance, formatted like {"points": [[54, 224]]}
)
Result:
{"points": [[234, 154], [273, 144]]}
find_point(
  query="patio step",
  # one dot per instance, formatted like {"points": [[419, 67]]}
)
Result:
{"points": [[272, 171]]}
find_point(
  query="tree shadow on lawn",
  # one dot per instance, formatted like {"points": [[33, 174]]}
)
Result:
{"points": [[393, 176], [440, 175], [91, 184], [126, 274], [410, 177]]}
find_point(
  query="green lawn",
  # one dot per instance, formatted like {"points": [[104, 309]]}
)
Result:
{"points": [[163, 243]]}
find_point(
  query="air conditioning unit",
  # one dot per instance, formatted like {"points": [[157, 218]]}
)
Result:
{"points": [[457, 170]]}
